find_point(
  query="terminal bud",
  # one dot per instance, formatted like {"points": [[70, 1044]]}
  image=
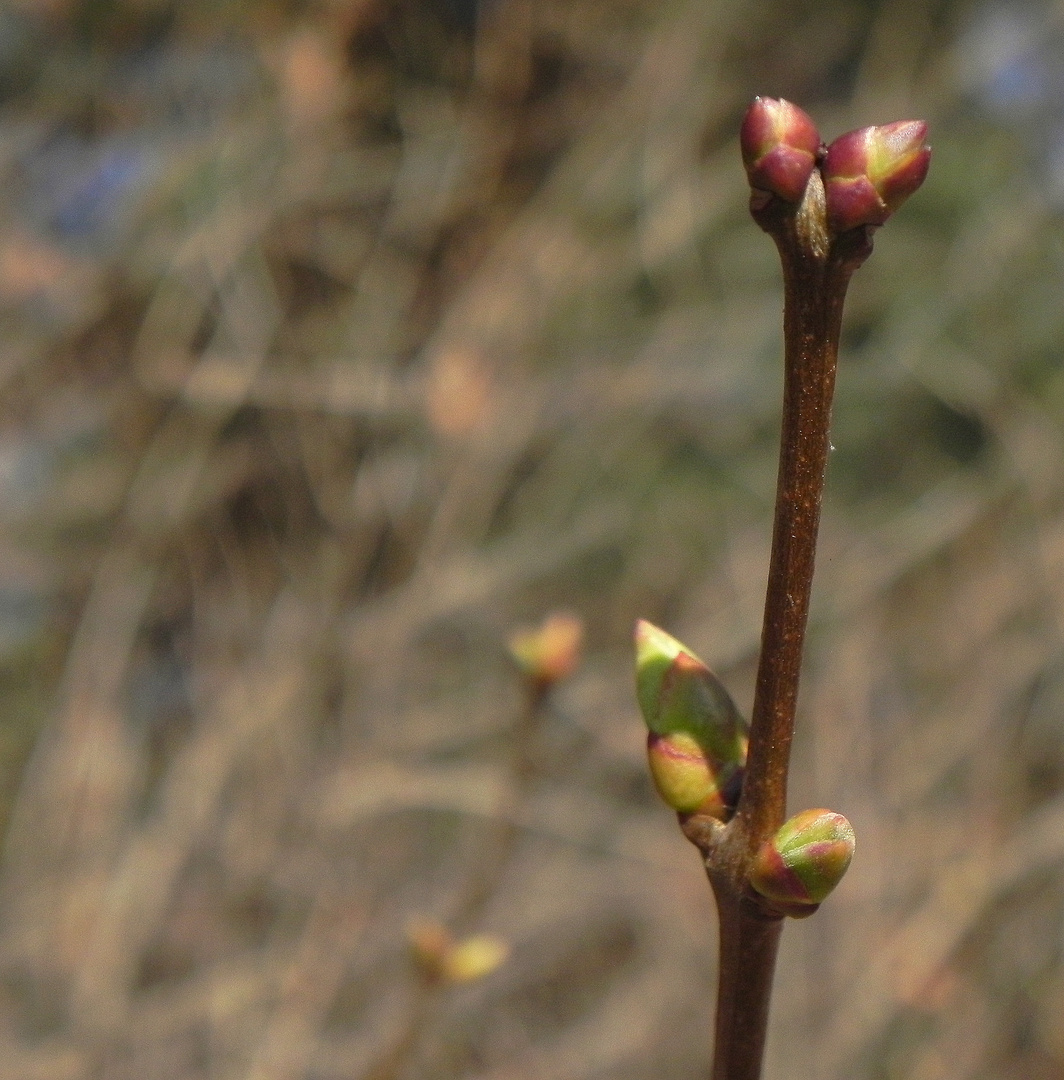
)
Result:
{"points": [[780, 145], [870, 172]]}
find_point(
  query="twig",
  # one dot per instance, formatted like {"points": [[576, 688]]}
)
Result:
{"points": [[819, 205], [816, 271]]}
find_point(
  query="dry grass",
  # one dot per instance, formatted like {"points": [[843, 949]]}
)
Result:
{"points": [[436, 333]]}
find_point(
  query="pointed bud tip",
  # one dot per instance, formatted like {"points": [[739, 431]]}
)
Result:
{"points": [[679, 696], [780, 144], [651, 639], [655, 651]]}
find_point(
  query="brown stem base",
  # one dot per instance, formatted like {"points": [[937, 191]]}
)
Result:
{"points": [[748, 943]]}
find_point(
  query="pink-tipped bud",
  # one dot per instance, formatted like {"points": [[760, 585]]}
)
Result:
{"points": [[549, 652], [804, 861], [870, 172], [780, 144]]}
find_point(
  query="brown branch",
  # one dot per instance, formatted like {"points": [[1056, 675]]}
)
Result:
{"points": [[817, 270], [816, 273]]}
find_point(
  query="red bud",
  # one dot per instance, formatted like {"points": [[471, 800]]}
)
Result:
{"points": [[870, 172], [780, 144]]}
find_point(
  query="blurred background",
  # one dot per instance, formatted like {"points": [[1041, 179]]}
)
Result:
{"points": [[341, 340]]}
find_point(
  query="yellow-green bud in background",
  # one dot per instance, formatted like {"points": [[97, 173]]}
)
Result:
{"points": [[442, 959], [804, 861], [698, 739]]}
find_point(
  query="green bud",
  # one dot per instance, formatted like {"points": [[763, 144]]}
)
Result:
{"points": [[689, 780], [698, 739], [684, 775], [804, 861]]}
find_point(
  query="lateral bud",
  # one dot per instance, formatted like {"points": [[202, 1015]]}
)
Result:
{"points": [[870, 172], [797, 869], [697, 741], [780, 145]]}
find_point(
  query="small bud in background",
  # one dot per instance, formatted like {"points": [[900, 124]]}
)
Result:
{"points": [[429, 942], [780, 144], [870, 172], [442, 959], [804, 861], [475, 957], [697, 742], [551, 651]]}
